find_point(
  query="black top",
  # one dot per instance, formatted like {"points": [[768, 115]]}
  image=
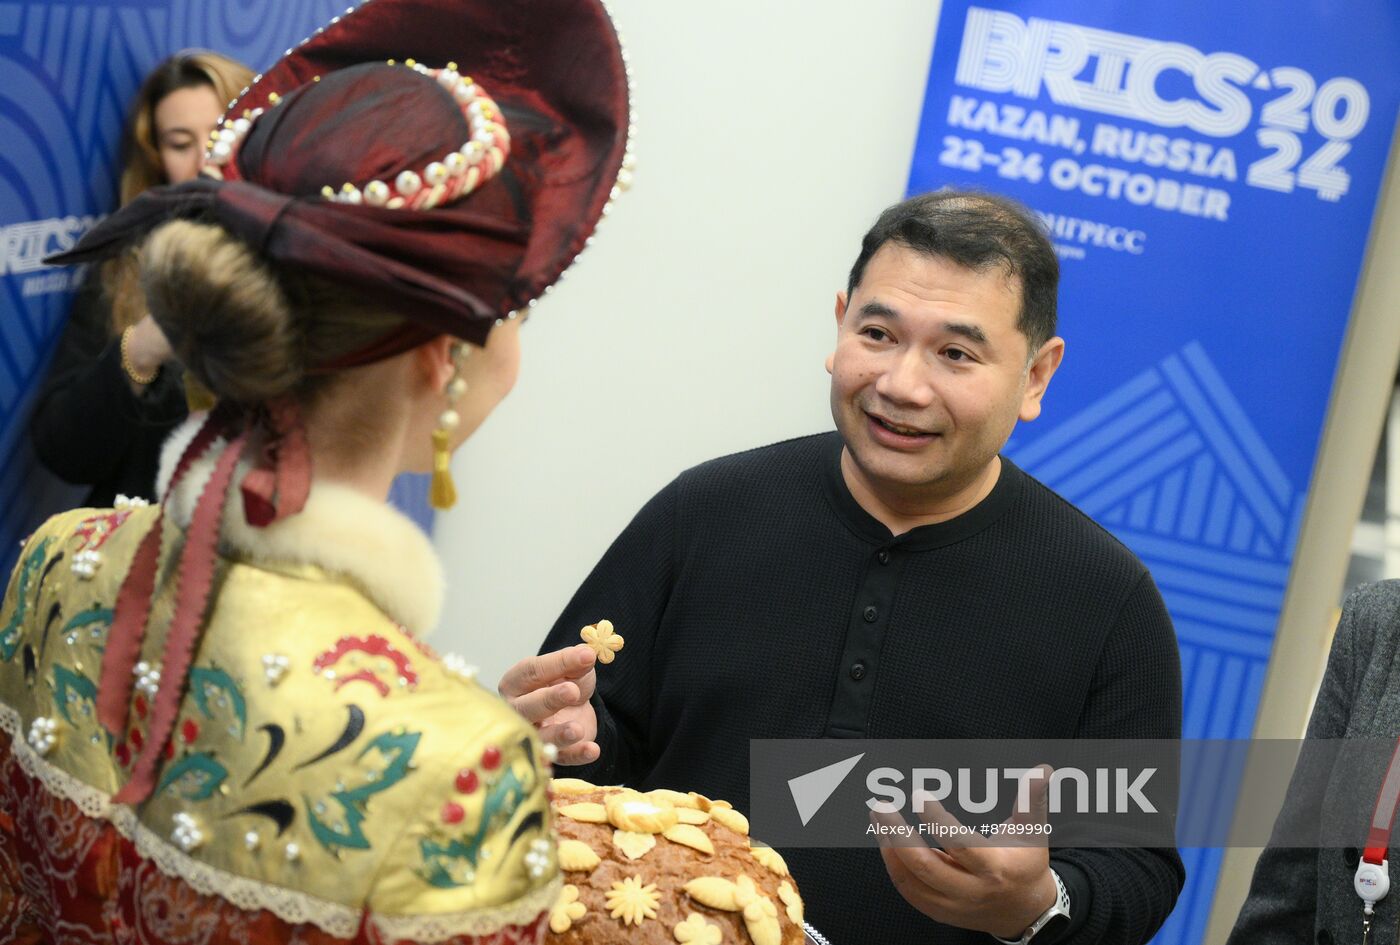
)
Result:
{"points": [[88, 426], [759, 600]]}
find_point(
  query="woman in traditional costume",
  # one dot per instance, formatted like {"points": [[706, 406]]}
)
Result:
{"points": [[217, 722]]}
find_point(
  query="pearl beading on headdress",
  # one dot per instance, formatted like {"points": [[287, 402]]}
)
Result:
{"points": [[622, 183], [456, 175], [459, 172], [224, 141]]}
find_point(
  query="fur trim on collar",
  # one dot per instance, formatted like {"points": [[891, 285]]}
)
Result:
{"points": [[341, 530]]}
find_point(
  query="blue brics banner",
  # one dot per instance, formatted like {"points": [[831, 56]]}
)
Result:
{"points": [[1208, 174], [68, 72]]}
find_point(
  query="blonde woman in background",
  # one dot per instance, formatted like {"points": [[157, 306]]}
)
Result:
{"points": [[112, 392]]}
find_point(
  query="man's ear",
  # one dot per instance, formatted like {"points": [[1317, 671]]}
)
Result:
{"points": [[840, 317], [1043, 367]]}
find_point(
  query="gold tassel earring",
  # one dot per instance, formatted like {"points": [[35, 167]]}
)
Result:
{"points": [[443, 492]]}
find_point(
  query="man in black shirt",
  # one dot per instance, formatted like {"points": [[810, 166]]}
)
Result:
{"points": [[895, 579]]}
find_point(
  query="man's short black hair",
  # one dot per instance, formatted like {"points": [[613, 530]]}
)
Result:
{"points": [[976, 230]]}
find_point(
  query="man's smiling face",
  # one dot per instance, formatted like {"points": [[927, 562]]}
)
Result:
{"points": [[930, 372]]}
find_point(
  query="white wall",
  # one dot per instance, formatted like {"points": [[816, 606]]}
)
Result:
{"points": [[770, 134]]}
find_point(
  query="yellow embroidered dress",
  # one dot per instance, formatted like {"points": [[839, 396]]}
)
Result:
{"points": [[330, 779]]}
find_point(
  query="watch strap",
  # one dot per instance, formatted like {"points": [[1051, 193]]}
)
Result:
{"points": [[1058, 908]]}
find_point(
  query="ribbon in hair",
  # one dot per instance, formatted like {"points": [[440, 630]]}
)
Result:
{"points": [[195, 578], [133, 605], [278, 485], [276, 488]]}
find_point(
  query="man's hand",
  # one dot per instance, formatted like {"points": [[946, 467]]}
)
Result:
{"points": [[552, 691], [972, 883]]}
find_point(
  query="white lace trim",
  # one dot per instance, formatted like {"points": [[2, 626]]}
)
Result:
{"points": [[92, 802], [436, 928], [292, 907]]}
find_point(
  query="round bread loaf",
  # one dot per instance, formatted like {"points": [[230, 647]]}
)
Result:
{"points": [[665, 867]]}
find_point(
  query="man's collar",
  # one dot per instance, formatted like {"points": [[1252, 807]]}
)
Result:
{"points": [[924, 537]]}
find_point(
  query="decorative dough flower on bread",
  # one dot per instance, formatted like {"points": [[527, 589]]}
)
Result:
{"points": [[761, 919], [632, 902], [696, 931], [566, 910]]}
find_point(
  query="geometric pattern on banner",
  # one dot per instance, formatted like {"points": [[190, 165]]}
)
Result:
{"points": [[1170, 464], [1220, 696], [1187, 923], [68, 73]]}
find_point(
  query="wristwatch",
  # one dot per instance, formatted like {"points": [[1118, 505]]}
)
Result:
{"points": [[1054, 918]]}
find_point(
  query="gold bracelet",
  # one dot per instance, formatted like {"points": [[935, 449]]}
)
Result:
{"points": [[130, 369]]}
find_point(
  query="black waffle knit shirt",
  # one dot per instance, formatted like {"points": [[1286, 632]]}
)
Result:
{"points": [[759, 600]]}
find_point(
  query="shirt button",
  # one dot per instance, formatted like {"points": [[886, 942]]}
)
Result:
{"points": [[858, 671], [883, 557], [870, 613]]}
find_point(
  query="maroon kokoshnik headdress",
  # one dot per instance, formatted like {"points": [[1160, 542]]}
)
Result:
{"points": [[448, 159]]}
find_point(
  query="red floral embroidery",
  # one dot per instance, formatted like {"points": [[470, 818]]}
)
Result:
{"points": [[374, 646], [95, 531]]}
